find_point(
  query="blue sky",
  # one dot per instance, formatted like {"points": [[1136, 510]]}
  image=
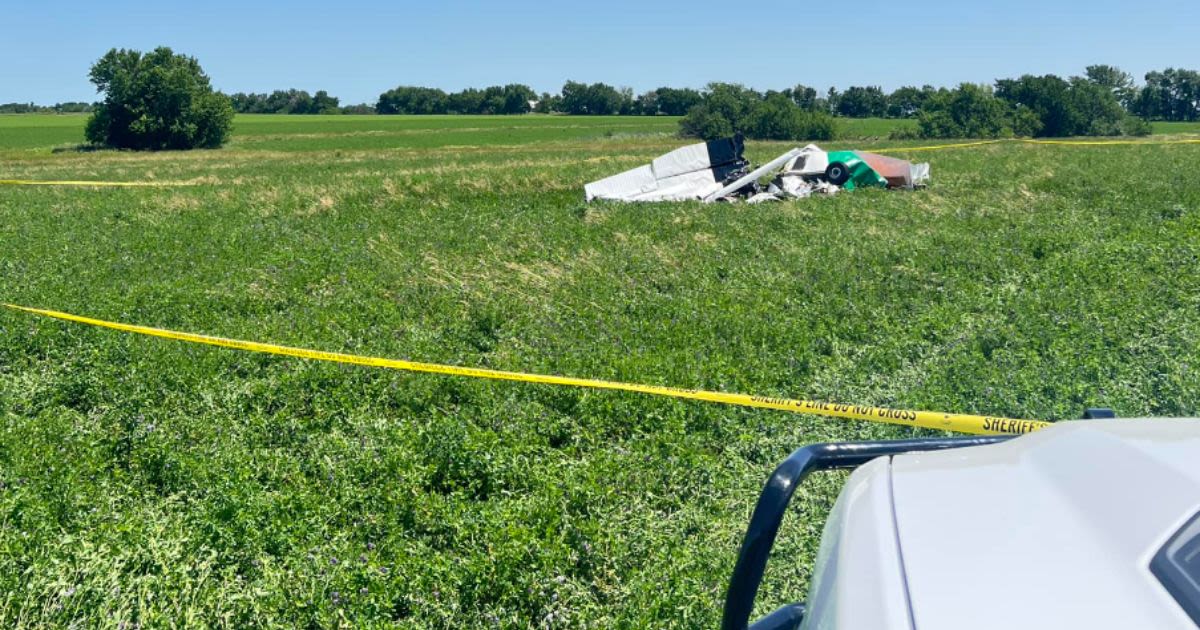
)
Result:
{"points": [[355, 49]]}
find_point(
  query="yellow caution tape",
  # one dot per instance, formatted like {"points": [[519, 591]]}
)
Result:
{"points": [[938, 147], [1077, 143], [1082, 143], [962, 423], [84, 182]]}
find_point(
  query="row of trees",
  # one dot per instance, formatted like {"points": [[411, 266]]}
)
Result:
{"points": [[1096, 104], [601, 99], [514, 98], [285, 102], [1172, 94], [728, 108], [1038, 106], [69, 107]]}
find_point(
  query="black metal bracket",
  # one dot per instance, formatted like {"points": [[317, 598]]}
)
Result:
{"points": [[774, 500]]}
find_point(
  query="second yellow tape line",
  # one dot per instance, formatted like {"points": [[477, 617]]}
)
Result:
{"points": [[960, 423]]}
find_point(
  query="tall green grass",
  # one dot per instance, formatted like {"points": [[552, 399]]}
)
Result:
{"points": [[146, 481]]}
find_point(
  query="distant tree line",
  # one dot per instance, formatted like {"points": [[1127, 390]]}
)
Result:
{"points": [[1105, 101], [514, 98], [69, 107], [285, 102], [1100, 103], [1060, 104]]}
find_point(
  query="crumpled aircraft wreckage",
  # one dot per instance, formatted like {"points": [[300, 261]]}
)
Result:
{"points": [[716, 171]]}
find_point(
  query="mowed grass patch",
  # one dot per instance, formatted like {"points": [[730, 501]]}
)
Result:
{"points": [[871, 128], [1165, 127], [40, 131], [149, 481]]}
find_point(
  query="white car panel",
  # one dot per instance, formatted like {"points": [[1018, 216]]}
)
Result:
{"points": [[1050, 530], [859, 580]]}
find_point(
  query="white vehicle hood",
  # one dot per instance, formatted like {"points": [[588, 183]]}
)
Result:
{"points": [[1051, 530]]}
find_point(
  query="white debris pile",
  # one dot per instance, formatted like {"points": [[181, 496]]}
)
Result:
{"points": [[716, 171]]}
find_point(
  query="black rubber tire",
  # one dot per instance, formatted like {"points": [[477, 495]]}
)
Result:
{"points": [[837, 173]]}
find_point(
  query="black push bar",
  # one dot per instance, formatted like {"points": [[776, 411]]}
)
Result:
{"points": [[768, 513]]}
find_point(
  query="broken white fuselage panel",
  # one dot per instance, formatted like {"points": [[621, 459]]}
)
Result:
{"points": [[687, 173]]}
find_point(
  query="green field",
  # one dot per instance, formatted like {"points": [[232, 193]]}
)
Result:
{"points": [[317, 133], [149, 481]]}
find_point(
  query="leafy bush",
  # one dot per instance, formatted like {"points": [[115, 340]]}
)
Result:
{"points": [[706, 123], [731, 108], [1134, 126], [159, 100]]}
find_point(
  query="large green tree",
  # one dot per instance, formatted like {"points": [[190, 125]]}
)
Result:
{"points": [[1172, 94], [156, 100]]}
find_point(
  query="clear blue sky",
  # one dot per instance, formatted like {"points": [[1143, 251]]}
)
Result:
{"points": [[357, 48]]}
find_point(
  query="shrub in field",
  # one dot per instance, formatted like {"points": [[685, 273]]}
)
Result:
{"points": [[730, 108], [1134, 126], [706, 123], [157, 100]]}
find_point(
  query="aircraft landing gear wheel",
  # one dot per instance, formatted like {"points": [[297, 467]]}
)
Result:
{"points": [[837, 173]]}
